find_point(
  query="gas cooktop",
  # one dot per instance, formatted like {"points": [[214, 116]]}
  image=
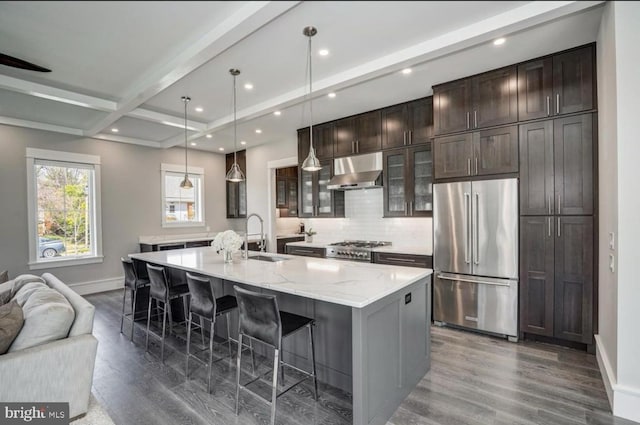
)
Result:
{"points": [[354, 250]]}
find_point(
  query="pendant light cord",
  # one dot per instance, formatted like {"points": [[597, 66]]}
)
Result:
{"points": [[235, 124], [310, 98], [186, 168]]}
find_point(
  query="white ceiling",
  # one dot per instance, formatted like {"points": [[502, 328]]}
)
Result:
{"points": [[125, 65]]}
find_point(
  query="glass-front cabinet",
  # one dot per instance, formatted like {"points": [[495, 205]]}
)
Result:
{"points": [[316, 200], [287, 191], [407, 188], [237, 191]]}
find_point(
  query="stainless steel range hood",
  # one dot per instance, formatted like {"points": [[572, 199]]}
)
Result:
{"points": [[357, 172]]}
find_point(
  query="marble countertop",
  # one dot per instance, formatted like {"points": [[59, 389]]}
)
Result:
{"points": [[193, 237], [347, 283], [397, 249]]}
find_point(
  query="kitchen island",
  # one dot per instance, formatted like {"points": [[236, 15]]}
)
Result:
{"points": [[372, 320]]}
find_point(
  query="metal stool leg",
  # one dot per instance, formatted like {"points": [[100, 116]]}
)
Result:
{"points": [[167, 306], [211, 335], [164, 323], [228, 333], [186, 368], [124, 298], [313, 362], [146, 344], [238, 361], [202, 329], [253, 356], [133, 313], [274, 387]]}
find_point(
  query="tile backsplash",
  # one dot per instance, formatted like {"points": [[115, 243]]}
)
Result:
{"points": [[363, 220]]}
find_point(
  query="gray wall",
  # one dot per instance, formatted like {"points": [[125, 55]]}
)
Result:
{"points": [[131, 204]]}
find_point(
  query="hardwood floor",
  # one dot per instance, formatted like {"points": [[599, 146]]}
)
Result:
{"points": [[474, 379]]}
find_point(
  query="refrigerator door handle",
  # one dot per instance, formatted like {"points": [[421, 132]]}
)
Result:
{"points": [[467, 230], [476, 236]]}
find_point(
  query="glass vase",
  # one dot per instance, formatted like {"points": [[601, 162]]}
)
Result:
{"points": [[228, 256]]}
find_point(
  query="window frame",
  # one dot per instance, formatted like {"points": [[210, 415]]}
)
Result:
{"points": [[197, 171], [64, 159]]}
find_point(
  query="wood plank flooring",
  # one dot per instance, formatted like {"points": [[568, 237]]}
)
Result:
{"points": [[474, 379]]}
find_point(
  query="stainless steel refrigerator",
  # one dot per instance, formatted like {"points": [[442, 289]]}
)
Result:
{"points": [[476, 255]]}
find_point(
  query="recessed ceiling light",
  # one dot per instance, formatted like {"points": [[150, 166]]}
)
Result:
{"points": [[194, 144], [248, 86], [499, 41], [277, 113], [323, 52], [199, 109], [258, 131], [331, 95], [221, 149], [406, 71], [114, 130], [242, 142], [208, 136]]}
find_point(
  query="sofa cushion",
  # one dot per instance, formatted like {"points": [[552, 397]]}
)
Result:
{"points": [[11, 321], [23, 280], [5, 292], [4, 276], [48, 316]]}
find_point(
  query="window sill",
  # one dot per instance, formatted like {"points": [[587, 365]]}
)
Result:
{"points": [[192, 224], [51, 264]]}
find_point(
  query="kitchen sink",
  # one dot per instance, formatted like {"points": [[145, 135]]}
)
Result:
{"points": [[267, 258]]}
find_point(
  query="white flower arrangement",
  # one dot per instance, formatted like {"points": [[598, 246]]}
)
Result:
{"points": [[227, 240]]}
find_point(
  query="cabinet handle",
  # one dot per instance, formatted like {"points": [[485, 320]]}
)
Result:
{"points": [[558, 226], [476, 165], [404, 137], [468, 119], [357, 146], [411, 208], [404, 260], [469, 166], [406, 208], [353, 146], [559, 210], [557, 103], [475, 119], [548, 105], [550, 205], [411, 137], [549, 226]]}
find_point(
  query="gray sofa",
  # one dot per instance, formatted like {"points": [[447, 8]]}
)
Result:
{"points": [[57, 371]]}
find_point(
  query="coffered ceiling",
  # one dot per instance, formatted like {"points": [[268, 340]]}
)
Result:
{"points": [[120, 68]]}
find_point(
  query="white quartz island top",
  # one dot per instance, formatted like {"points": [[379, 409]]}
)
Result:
{"points": [[341, 282]]}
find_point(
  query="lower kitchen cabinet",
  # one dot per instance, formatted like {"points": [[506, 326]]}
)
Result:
{"points": [[306, 251], [407, 260], [407, 187], [556, 277], [281, 243]]}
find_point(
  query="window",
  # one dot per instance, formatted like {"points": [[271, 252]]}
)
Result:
{"points": [[182, 207], [64, 208]]}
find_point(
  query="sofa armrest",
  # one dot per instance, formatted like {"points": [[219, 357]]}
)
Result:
{"points": [[60, 371]]}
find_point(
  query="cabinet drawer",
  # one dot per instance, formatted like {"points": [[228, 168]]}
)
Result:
{"points": [[306, 252], [408, 260]]}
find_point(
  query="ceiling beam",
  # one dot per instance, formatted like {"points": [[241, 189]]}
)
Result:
{"points": [[236, 27], [41, 126], [124, 139]]}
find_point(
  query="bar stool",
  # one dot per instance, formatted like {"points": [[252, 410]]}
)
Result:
{"points": [[131, 283], [205, 305], [160, 291], [261, 320]]}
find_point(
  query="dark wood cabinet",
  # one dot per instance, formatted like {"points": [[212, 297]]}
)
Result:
{"points": [[281, 243], [408, 123], [556, 277], [359, 134], [481, 153], [237, 191], [537, 236], [306, 251], [407, 182], [557, 85], [287, 191], [481, 101], [323, 141], [407, 260], [556, 166], [316, 200]]}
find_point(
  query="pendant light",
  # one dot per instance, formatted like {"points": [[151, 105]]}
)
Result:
{"points": [[235, 173], [311, 163], [186, 183]]}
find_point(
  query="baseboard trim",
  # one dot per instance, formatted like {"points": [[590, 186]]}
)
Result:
{"points": [[624, 400], [97, 286]]}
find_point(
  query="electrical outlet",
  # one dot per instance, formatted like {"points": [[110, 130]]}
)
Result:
{"points": [[612, 241], [612, 263]]}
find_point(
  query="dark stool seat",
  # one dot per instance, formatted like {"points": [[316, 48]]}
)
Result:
{"points": [[261, 320], [132, 282], [178, 291]]}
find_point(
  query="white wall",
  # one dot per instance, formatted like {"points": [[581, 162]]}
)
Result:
{"points": [[608, 193], [131, 204], [627, 40]]}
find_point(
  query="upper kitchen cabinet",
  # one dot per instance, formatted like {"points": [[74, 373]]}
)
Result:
{"points": [[287, 191], [556, 166], [323, 140], [408, 123], [481, 153], [359, 134], [485, 100], [237, 191], [316, 200], [408, 178], [561, 84]]}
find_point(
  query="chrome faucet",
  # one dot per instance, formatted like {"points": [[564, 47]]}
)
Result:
{"points": [[261, 244]]}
